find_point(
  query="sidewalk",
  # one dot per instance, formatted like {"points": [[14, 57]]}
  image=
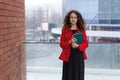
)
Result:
{"points": [[55, 74]]}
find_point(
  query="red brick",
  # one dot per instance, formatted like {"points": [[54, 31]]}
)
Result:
{"points": [[4, 56], [5, 12], [3, 44], [2, 76], [1, 51], [6, 48], [6, 1], [7, 60], [3, 32], [1, 0], [1, 38], [1, 64], [1, 12], [1, 25], [11, 35], [3, 6]]}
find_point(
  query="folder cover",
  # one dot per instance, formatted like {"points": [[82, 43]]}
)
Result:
{"points": [[78, 36]]}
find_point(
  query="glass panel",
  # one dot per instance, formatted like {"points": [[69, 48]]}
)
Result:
{"points": [[99, 55]]}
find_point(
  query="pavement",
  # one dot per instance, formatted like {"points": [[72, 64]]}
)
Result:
{"points": [[53, 73]]}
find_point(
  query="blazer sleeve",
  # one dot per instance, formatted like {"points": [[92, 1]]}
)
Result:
{"points": [[84, 43], [63, 42]]}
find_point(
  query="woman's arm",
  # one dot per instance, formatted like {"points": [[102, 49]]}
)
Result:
{"points": [[63, 42]]}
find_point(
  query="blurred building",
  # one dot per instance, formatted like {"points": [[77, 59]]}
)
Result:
{"points": [[109, 11]]}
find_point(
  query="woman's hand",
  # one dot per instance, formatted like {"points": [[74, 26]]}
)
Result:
{"points": [[73, 40], [74, 45]]}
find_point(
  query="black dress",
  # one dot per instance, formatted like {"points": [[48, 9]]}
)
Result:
{"points": [[74, 68]]}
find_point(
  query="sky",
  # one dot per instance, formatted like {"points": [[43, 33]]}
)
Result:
{"points": [[57, 4], [88, 8]]}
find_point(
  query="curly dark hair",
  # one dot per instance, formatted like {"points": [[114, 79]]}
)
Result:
{"points": [[80, 23]]}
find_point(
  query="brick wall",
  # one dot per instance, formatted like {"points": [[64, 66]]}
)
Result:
{"points": [[12, 33]]}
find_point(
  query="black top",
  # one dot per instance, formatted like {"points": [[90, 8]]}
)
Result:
{"points": [[73, 31]]}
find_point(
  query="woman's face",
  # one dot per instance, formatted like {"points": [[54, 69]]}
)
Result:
{"points": [[73, 19]]}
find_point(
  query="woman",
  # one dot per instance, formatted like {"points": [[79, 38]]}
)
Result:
{"points": [[73, 59]]}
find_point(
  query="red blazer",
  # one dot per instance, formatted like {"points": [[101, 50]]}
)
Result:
{"points": [[64, 43]]}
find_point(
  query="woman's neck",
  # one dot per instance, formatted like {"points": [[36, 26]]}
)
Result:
{"points": [[73, 27]]}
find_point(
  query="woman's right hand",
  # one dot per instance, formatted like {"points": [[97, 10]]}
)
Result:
{"points": [[73, 40]]}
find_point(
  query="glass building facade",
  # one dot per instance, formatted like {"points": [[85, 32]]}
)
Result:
{"points": [[109, 11]]}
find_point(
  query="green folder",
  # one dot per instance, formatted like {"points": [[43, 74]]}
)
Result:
{"points": [[78, 36]]}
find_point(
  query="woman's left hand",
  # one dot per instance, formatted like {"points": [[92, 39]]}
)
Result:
{"points": [[75, 45]]}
